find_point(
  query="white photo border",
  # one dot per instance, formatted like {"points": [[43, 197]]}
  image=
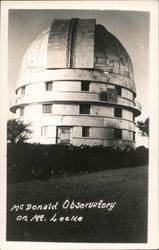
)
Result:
{"points": [[152, 8]]}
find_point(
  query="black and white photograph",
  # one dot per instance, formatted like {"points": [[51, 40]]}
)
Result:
{"points": [[79, 125]]}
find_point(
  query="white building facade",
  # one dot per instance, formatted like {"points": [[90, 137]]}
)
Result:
{"points": [[76, 86]]}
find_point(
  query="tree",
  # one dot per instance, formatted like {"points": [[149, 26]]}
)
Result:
{"points": [[17, 131], [144, 127]]}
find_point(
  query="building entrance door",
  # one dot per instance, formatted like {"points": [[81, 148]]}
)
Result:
{"points": [[64, 135]]}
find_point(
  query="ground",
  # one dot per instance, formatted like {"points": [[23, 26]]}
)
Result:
{"points": [[125, 223]]}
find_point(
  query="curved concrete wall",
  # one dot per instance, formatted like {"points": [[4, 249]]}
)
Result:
{"points": [[70, 91], [65, 98], [101, 122], [75, 75]]}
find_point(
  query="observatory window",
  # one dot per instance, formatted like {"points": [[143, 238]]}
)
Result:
{"points": [[85, 85], [48, 86], [117, 133], [111, 95], [44, 130], [118, 112], [23, 91], [85, 131], [118, 89], [22, 111], [84, 109], [47, 108], [133, 116], [133, 136], [103, 96]]}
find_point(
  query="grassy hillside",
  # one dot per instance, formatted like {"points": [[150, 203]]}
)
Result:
{"points": [[126, 222]]}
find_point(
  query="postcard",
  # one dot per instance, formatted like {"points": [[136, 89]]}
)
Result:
{"points": [[79, 105]]}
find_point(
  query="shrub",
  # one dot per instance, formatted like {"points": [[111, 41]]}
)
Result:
{"points": [[17, 131], [29, 161]]}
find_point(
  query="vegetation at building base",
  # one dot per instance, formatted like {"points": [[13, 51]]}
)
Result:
{"points": [[29, 161], [17, 131]]}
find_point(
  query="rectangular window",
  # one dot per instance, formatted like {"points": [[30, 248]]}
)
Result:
{"points": [[117, 133], [85, 85], [118, 112], [44, 130], [23, 91], [111, 95], [84, 109], [118, 89], [48, 86], [85, 132], [22, 111], [103, 96], [47, 108], [133, 116], [133, 136]]}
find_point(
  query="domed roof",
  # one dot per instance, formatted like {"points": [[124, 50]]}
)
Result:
{"points": [[76, 44], [109, 51], [35, 57]]}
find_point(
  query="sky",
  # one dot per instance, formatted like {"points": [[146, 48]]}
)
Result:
{"points": [[130, 27]]}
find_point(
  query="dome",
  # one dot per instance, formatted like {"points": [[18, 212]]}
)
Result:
{"points": [[77, 44], [109, 52]]}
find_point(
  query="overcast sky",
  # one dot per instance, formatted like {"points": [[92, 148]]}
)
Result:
{"points": [[131, 28]]}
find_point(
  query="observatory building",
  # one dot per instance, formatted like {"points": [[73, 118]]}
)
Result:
{"points": [[76, 86]]}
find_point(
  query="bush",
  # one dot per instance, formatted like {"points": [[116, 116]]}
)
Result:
{"points": [[29, 161], [18, 131]]}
